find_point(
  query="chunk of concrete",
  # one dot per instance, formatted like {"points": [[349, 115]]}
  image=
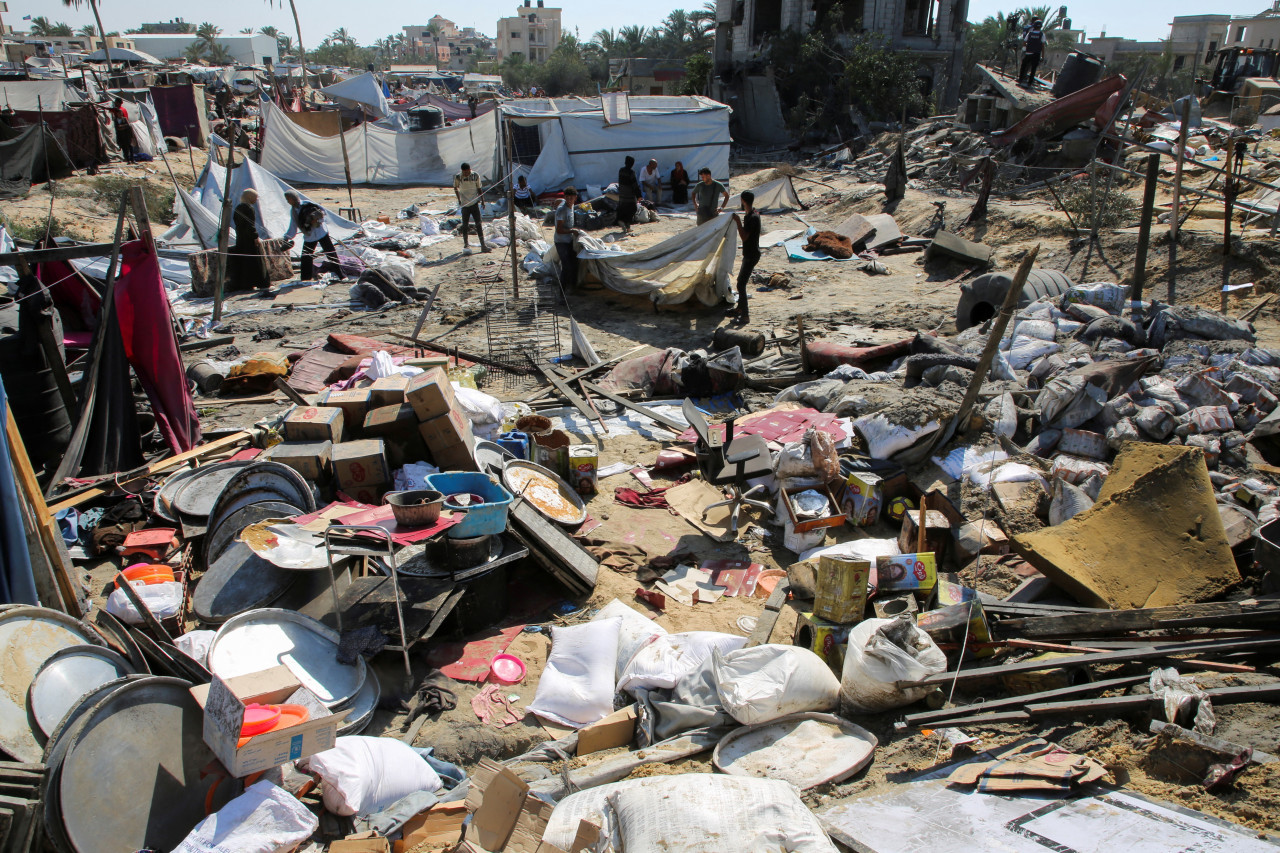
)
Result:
{"points": [[948, 245], [1153, 539]]}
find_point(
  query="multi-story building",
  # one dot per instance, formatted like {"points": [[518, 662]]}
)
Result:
{"points": [[1260, 30], [433, 45], [533, 31]]}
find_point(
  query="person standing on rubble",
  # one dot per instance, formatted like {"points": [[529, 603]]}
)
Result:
{"points": [[308, 218], [704, 196], [749, 232], [246, 266], [1032, 50], [466, 186], [565, 232], [628, 194]]}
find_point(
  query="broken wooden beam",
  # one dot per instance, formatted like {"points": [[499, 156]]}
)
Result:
{"points": [[58, 253], [768, 617], [657, 417], [939, 717], [1119, 621]]}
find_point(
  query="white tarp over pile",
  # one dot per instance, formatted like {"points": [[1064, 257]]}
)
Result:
{"points": [[360, 93], [50, 95], [379, 155], [694, 263], [198, 212], [581, 147], [778, 194]]}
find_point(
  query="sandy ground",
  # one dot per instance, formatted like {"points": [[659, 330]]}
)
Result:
{"points": [[837, 301]]}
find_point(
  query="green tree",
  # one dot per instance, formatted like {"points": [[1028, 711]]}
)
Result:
{"points": [[676, 31], [704, 21], [564, 72], [285, 45], [697, 74], [219, 54], [302, 53], [41, 26], [97, 17], [632, 40], [269, 31], [62, 30], [89, 31], [516, 71], [195, 52], [208, 33], [433, 31], [247, 31]]}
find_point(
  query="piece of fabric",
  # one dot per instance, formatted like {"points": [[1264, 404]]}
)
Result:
{"points": [[146, 324], [29, 156], [17, 580], [325, 244], [363, 92], [697, 263], [568, 256], [471, 213]]}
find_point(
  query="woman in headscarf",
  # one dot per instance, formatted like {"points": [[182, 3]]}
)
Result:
{"points": [[679, 184], [628, 194], [246, 266]]}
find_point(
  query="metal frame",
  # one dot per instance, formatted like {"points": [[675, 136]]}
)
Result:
{"points": [[389, 552]]}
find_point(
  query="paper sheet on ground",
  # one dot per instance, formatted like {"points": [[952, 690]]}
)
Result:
{"points": [[778, 238], [689, 585], [690, 498]]}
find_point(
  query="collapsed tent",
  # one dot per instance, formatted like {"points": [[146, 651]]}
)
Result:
{"points": [[574, 143], [697, 262], [774, 195], [378, 155], [29, 156], [199, 211], [363, 93]]}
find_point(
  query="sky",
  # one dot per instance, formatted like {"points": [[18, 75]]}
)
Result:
{"points": [[1144, 20]]}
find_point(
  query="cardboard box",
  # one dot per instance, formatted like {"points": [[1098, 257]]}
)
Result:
{"points": [[617, 729], [361, 845], [360, 464], [314, 423], [862, 498], [439, 826], [916, 573], [224, 701], [825, 639], [938, 537], [387, 391], [506, 818], [354, 405], [397, 426], [832, 518], [371, 494], [448, 430], [312, 459], [460, 457], [430, 394]]}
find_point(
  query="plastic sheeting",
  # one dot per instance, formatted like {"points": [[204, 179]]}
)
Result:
{"points": [[694, 263], [360, 93], [17, 581], [774, 195], [379, 155], [198, 212], [34, 95], [452, 109]]}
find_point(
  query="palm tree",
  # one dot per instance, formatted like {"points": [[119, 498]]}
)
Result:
{"points": [[1051, 18], [208, 33], [302, 53], [219, 54], [97, 16], [285, 45], [676, 28], [195, 52], [606, 41], [632, 39], [269, 31], [341, 37], [704, 20], [89, 31], [433, 30], [61, 29], [247, 31], [40, 26]]}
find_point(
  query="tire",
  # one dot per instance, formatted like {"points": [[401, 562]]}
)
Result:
{"points": [[980, 299]]}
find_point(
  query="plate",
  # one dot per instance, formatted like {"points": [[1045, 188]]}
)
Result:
{"points": [[545, 491], [492, 457], [803, 749], [261, 639], [168, 489], [363, 706], [67, 676]]}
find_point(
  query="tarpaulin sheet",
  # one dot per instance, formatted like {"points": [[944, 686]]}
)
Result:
{"points": [[17, 581], [27, 157], [694, 263], [78, 130], [146, 325], [363, 92], [182, 112], [378, 155], [34, 95], [452, 109], [778, 194], [780, 427]]}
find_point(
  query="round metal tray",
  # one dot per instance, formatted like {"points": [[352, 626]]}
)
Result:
{"points": [[69, 674], [168, 489], [805, 749], [363, 706], [237, 582], [492, 457], [261, 639], [200, 491], [218, 539], [554, 479]]}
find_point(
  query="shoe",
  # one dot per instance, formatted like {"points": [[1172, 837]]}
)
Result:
{"points": [[466, 250], [485, 249]]}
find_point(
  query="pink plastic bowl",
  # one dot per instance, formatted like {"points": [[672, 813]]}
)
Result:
{"points": [[508, 669]]}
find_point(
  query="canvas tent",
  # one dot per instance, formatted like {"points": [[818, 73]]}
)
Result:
{"points": [[360, 93], [452, 109], [697, 263], [573, 142], [776, 195], [52, 96], [29, 156], [198, 212], [378, 155]]}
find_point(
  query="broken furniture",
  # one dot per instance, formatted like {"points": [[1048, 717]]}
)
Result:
{"points": [[729, 462]]}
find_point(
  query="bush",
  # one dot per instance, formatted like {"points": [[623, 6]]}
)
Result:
{"points": [[1113, 207]]}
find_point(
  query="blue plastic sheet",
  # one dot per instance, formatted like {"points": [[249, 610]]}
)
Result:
{"points": [[17, 581]]}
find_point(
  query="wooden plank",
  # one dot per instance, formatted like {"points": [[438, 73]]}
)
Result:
{"points": [[45, 525], [1211, 665], [1219, 696], [59, 253], [283, 388], [577, 402], [152, 469], [656, 417], [587, 371], [938, 717], [768, 617], [1121, 656], [206, 343], [562, 548], [1118, 621]]}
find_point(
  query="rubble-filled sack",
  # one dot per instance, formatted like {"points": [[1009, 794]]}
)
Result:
{"points": [[763, 683], [885, 438], [364, 775], [1105, 295], [1002, 414], [576, 688], [264, 819], [883, 659], [691, 813], [634, 631], [1025, 350], [665, 660]]}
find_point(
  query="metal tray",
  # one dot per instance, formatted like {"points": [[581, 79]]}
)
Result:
{"points": [[134, 771], [363, 706], [261, 639], [29, 637], [237, 582], [804, 749], [200, 491], [565, 490], [168, 489], [218, 539], [69, 674]]}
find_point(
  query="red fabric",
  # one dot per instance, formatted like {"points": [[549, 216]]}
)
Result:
{"points": [[782, 427], [76, 300], [146, 324]]}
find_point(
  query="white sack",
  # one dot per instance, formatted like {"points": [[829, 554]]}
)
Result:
{"points": [[1025, 350], [885, 438], [364, 775], [478, 406], [162, 599], [635, 630], [763, 683], [878, 673], [576, 688], [264, 819], [196, 644], [869, 550], [667, 659]]}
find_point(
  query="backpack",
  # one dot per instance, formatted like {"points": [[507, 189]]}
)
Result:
{"points": [[310, 216]]}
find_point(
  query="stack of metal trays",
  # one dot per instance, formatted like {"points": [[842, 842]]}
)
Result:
{"points": [[20, 826], [261, 639]]}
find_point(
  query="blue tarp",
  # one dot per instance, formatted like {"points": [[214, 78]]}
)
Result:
{"points": [[17, 581]]}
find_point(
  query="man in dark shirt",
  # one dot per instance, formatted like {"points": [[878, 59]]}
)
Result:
{"points": [[749, 232], [628, 194], [1033, 49]]}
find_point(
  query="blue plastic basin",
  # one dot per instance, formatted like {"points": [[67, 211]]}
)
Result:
{"points": [[484, 519]]}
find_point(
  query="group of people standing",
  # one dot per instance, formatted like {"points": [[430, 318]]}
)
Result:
{"points": [[246, 260]]}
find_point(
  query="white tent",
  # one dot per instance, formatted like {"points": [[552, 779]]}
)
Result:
{"points": [[776, 195], [579, 146], [120, 54], [198, 212], [49, 95], [378, 155], [694, 263], [360, 93]]}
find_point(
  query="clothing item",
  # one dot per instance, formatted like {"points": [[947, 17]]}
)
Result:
{"points": [[679, 186], [708, 197], [298, 216], [468, 188], [1027, 73], [472, 213], [626, 214], [706, 215], [628, 186], [1033, 40], [568, 263], [749, 262], [308, 255], [751, 234], [524, 196], [567, 216], [246, 267]]}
